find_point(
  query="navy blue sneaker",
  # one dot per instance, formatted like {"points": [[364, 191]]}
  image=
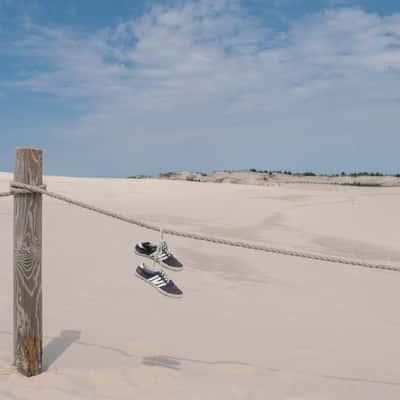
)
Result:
{"points": [[159, 254], [159, 280]]}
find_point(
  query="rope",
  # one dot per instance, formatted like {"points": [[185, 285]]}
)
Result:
{"points": [[15, 191], [195, 236]]}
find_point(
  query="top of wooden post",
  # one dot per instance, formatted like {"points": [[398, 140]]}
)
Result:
{"points": [[28, 165], [28, 148]]}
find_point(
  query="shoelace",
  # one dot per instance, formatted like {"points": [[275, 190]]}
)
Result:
{"points": [[164, 276], [164, 248], [163, 251]]}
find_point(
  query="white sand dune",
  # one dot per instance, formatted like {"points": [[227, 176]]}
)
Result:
{"points": [[250, 326]]}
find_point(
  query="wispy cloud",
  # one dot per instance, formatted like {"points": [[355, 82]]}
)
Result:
{"points": [[204, 68]]}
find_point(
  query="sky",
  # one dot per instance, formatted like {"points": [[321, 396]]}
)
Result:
{"points": [[119, 88]]}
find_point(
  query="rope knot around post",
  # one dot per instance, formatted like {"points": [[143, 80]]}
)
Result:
{"points": [[20, 188]]}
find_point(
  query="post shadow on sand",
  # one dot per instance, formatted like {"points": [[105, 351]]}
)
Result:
{"points": [[58, 345]]}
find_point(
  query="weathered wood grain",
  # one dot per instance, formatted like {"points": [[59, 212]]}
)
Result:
{"points": [[28, 264]]}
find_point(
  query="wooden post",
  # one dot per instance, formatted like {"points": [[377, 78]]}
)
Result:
{"points": [[28, 265]]}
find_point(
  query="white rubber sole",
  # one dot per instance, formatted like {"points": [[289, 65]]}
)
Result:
{"points": [[173, 296], [158, 262]]}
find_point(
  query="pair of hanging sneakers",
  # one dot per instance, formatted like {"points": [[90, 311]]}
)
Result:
{"points": [[158, 279]]}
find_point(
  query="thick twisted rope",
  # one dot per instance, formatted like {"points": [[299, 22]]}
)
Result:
{"points": [[15, 191], [195, 236]]}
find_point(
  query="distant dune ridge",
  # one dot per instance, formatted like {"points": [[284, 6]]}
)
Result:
{"points": [[266, 178]]}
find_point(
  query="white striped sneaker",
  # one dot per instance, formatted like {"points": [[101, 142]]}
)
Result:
{"points": [[160, 254], [159, 280]]}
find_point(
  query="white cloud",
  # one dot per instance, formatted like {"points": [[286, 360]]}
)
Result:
{"points": [[206, 67]]}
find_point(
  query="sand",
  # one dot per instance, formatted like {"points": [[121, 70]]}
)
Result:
{"points": [[250, 326]]}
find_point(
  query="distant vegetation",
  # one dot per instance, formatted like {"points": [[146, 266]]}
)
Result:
{"points": [[139, 176], [168, 174], [355, 174], [283, 172], [271, 172], [360, 184], [192, 178], [310, 173]]}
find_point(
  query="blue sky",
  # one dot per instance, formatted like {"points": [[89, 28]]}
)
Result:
{"points": [[141, 87]]}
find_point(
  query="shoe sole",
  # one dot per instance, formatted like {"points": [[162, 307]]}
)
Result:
{"points": [[158, 262], [174, 296]]}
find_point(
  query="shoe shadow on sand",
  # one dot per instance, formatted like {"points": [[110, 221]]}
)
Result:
{"points": [[58, 345]]}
